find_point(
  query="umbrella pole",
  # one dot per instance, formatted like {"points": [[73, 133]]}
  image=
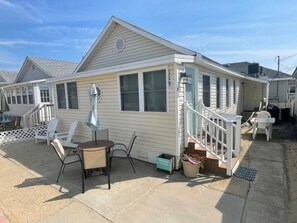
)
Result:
{"points": [[95, 138]]}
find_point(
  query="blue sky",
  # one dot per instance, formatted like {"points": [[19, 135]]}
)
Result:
{"points": [[225, 31]]}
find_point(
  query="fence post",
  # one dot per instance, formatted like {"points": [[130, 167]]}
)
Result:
{"points": [[237, 135], [229, 147]]}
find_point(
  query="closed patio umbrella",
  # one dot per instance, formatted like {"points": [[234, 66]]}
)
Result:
{"points": [[92, 120], [4, 107]]}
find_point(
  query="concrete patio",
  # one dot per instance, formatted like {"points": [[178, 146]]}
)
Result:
{"points": [[28, 192]]}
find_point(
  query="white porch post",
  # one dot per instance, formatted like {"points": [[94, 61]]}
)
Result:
{"points": [[186, 123], [237, 135], [229, 147]]}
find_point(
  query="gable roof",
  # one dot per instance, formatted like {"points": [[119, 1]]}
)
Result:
{"points": [[109, 28], [53, 68], [242, 67], [7, 77]]}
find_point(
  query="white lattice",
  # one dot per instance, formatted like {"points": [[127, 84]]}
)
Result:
{"points": [[19, 135], [287, 104]]}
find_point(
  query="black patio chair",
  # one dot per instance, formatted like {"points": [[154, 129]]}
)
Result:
{"points": [[120, 150]]}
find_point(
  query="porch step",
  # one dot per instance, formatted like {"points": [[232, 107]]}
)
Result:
{"points": [[212, 164]]}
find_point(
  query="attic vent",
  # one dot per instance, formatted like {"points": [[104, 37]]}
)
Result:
{"points": [[120, 44]]}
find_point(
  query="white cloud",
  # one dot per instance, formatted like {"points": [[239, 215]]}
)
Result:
{"points": [[11, 43], [24, 10]]}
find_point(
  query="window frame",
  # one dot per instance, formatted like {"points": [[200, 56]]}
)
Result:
{"points": [[66, 95], [234, 92], [25, 95], [141, 88], [289, 92], [227, 93], [218, 93]]}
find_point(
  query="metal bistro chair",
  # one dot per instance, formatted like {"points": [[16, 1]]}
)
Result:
{"points": [[65, 159], [93, 159], [120, 150]]}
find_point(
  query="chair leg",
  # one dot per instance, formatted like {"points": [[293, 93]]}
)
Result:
{"points": [[131, 162], [62, 167], [83, 179]]}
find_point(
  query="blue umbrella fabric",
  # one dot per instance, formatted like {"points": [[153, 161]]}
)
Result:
{"points": [[92, 120], [4, 107]]}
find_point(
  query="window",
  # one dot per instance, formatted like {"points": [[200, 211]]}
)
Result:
{"points": [[72, 95], [154, 83], [24, 95], [144, 91], [218, 92], [44, 94], [30, 95], [67, 95], [291, 92], [8, 96], [206, 90], [227, 93], [234, 92], [19, 96], [13, 95], [129, 92]]}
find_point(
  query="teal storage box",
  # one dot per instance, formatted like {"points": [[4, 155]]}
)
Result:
{"points": [[166, 162]]}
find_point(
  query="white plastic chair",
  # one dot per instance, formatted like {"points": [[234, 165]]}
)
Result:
{"points": [[262, 123], [49, 133], [66, 137]]}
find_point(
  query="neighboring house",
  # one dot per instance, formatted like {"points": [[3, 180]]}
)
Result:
{"points": [[29, 89], [141, 77], [7, 77], [282, 85]]}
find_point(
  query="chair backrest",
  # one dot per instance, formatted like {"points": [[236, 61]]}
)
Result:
{"points": [[263, 114], [51, 127], [94, 158], [131, 143], [59, 149], [262, 119], [71, 131]]}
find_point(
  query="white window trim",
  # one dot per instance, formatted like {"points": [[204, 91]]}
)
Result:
{"points": [[141, 88]]}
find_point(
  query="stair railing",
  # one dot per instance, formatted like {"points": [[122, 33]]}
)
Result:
{"points": [[39, 115], [211, 131]]}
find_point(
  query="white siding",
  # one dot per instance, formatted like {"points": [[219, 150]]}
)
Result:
{"points": [[33, 73], [156, 130], [137, 48], [253, 93]]}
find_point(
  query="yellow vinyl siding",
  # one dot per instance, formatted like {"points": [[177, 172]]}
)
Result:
{"points": [[156, 130], [137, 48]]}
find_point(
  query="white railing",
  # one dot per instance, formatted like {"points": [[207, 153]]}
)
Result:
{"points": [[217, 134], [19, 135], [39, 115]]}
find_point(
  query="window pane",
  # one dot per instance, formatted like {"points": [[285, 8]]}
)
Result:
{"points": [[72, 95], [154, 83], [218, 93], [206, 90], [129, 92], [24, 95], [30, 95], [227, 93], [13, 91], [44, 94], [18, 93], [61, 96]]}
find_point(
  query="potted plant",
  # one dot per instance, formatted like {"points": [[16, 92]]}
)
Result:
{"points": [[192, 163]]}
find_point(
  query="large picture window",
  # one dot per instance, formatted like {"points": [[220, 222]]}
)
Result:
{"points": [[144, 91], [154, 83], [129, 92], [19, 96], [8, 96], [206, 90], [67, 95], [13, 96], [30, 95]]}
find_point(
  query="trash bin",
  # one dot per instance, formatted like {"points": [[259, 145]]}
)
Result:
{"points": [[274, 112], [285, 114]]}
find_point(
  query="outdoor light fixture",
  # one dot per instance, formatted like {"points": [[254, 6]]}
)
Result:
{"points": [[185, 79]]}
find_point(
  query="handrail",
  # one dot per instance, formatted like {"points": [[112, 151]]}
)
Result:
{"points": [[211, 131]]}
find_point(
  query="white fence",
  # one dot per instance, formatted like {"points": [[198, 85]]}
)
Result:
{"points": [[19, 135]]}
